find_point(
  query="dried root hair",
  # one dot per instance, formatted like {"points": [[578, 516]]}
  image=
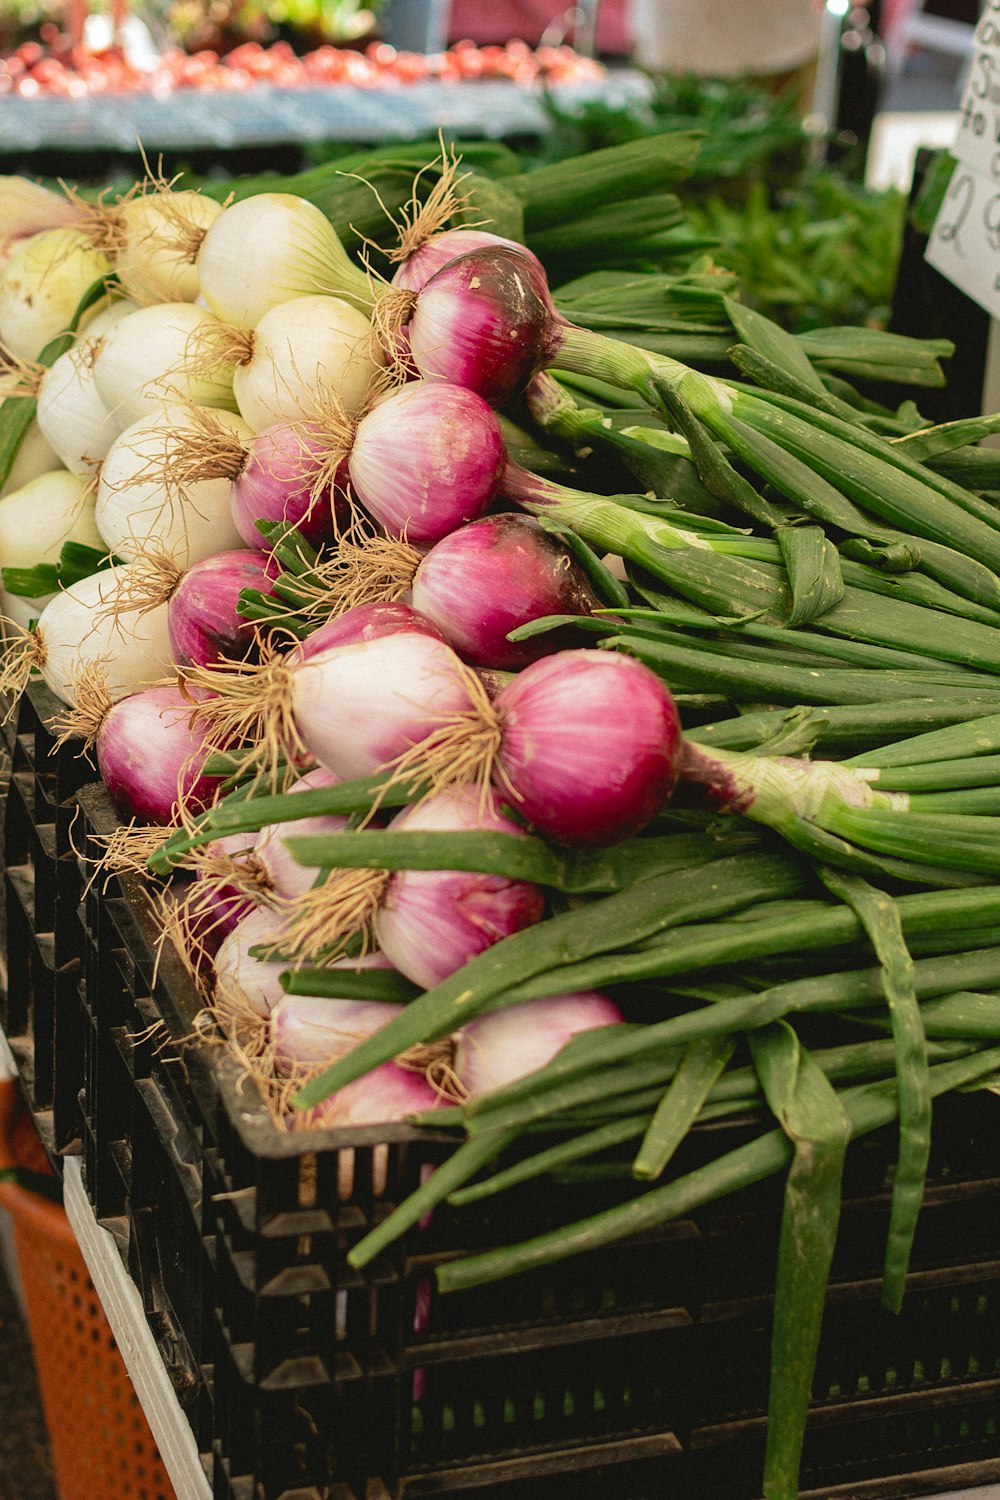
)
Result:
{"points": [[435, 1062], [421, 218], [217, 346], [24, 652], [19, 377], [366, 568], [322, 922], [91, 705], [151, 577], [250, 702]]}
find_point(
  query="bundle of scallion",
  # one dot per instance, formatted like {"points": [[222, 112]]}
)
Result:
{"points": [[584, 718]]}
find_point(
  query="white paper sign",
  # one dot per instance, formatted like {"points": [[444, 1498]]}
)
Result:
{"points": [[977, 139], [964, 244]]}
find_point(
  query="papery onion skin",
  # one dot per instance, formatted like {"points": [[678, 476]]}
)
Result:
{"points": [[431, 922], [366, 622], [590, 745], [357, 707], [484, 580], [202, 616], [484, 321], [427, 459], [307, 1032], [493, 1050], [147, 751]]}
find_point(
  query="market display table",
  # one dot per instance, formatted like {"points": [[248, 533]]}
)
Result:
{"points": [[267, 116]]}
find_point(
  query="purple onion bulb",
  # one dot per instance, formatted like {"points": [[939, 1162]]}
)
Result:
{"points": [[431, 922], [506, 1044], [202, 619], [590, 745], [482, 581], [485, 321], [427, 459], [278, 482], [148, 753]]}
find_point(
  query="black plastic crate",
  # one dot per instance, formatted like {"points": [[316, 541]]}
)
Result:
{"points": [[42, 880], [637, 1371]]}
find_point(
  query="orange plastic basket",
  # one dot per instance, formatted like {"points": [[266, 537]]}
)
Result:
{"points": [[102, 1448]]}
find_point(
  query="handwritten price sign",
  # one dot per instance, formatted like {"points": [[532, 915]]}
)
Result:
{"points": [[964, 244]]}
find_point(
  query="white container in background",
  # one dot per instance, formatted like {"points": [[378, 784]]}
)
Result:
{"points": [[720, 39]]}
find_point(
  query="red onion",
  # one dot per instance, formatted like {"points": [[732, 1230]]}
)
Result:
{"points": [[365, 622], [482, 581], [245, 983], [148, 754], [308, 1033], [430, 922], [202, 618], [495, 1049], [278, 483], [414, 273], [287, 877], [387, 1094], [358, 707], [590, 745], [486, 320], [427, 459]]}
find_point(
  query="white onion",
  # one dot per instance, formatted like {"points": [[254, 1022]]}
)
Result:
{"points": [[268, 249], [159, 237], [37, 518], [142, 506], [77, 629], [245, 983], [302, 350], [41, 286], [71, 413], [153, 356]]}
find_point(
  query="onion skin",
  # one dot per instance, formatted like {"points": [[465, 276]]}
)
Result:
{"points": [[484, 580], [494, 1049], [365, 622], [147, 751], [357, 707], [288, 878], [591, 745], [202, 616], [415, 272], [384, 1096], [276, 485], [307, 1032], [427, 459], [484, 321], [244, 983], [431, 922]]}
